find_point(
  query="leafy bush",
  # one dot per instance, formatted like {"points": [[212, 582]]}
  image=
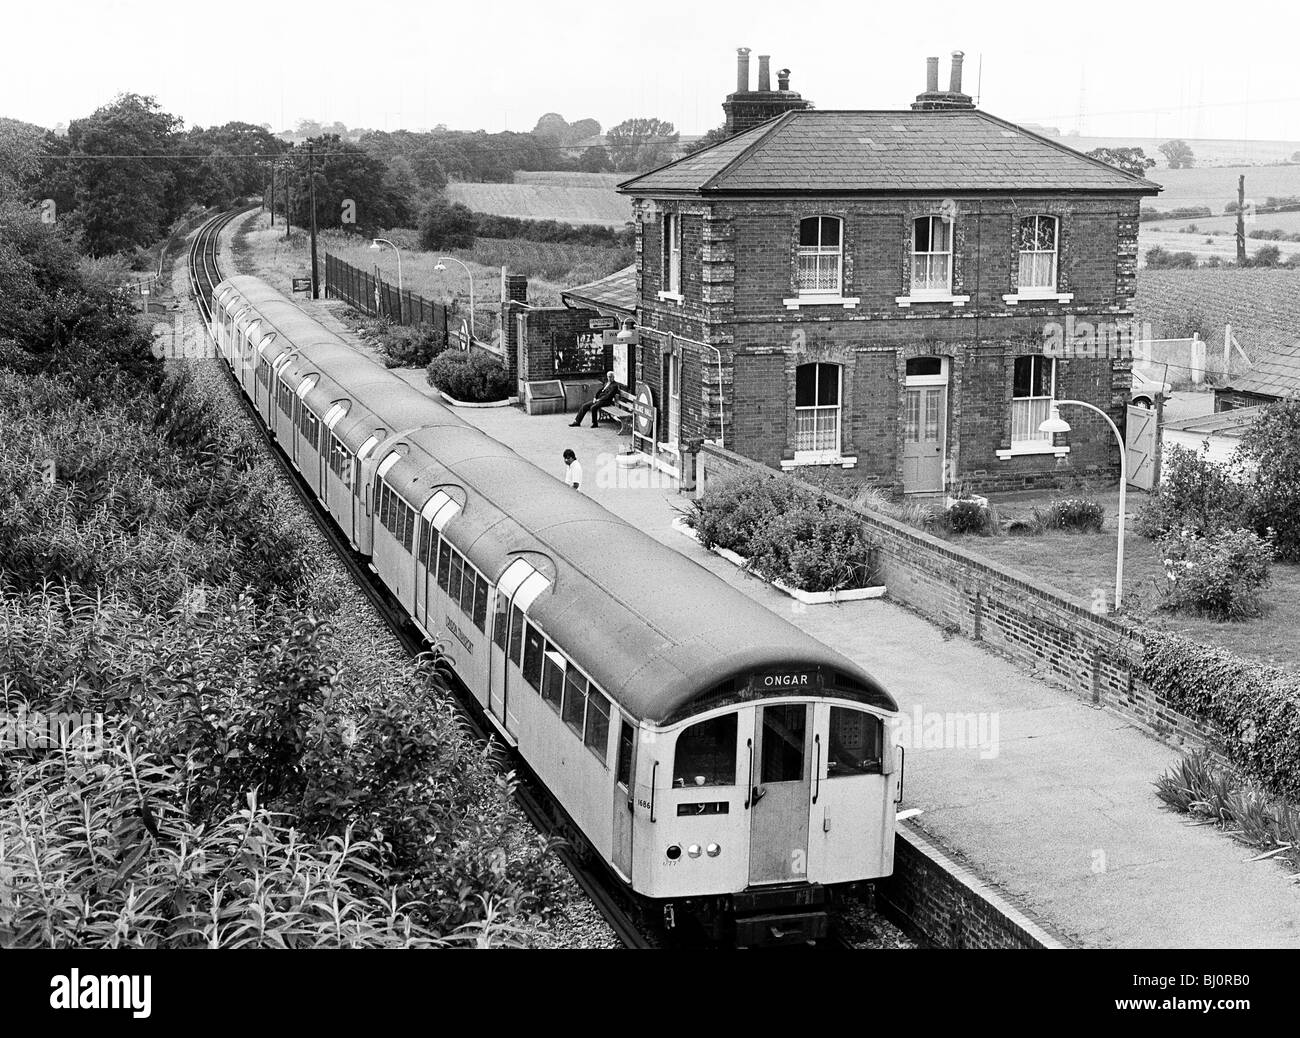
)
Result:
{"points": [[1254, 709], [1072, 513], [1195, 493], [1159, 258], [473, 378], [964, 517], [787, 531], [446, 225], [1272, 445], [1219, 574], [411, 346]]}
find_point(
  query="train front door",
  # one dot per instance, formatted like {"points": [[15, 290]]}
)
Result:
{"points": [[780, 789]]}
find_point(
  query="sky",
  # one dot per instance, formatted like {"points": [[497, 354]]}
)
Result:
{"points": [[1108, 68]]}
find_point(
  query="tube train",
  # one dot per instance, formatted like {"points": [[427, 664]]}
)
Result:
{"points": [[724, 765]]}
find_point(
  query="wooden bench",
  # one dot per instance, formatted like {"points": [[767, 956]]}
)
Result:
{"points": [[618, 413]]}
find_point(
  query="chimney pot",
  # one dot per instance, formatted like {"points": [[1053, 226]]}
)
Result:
{"points": [[932, 75], [954, 78], [783, 79], [764, 73], [742, 70]]}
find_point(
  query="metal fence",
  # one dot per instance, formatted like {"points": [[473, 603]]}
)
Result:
{"points": [[371, 294]]}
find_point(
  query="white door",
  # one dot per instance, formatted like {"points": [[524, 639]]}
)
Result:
{"points": [[624, 769], [849, 795], [925, 419], [780, 788], [673, 384]]}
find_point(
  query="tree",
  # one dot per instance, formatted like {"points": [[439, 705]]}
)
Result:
{"points": [[1179, 154], [1272, 443], [1130, 160], [21, 145], [428, 170], [552, 128], [343, 170], [445, 225], [402, 187], [1266, 256], [638, 144], [595, 159]]}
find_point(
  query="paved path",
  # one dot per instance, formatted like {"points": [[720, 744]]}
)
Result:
{"points": [[1051, 799]]}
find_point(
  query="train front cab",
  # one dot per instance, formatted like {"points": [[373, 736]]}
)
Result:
{"points": [[750, 812]]}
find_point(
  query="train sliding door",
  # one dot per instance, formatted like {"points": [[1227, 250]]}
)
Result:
{"points": [[624, 769], [780, 790]]}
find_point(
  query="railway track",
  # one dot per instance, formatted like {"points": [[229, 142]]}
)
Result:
{"points": [[538, 807]]}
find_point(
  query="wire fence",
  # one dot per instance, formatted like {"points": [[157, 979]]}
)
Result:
{"points": [[370, 294]]}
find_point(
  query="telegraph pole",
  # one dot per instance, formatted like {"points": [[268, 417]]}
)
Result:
{"points": [[288, 201], [1241, 220], [311, 182], [273, 192]]}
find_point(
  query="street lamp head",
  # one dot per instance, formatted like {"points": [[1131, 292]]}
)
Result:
{"points": [[374, 245], [440, 266], [1054, 424]]}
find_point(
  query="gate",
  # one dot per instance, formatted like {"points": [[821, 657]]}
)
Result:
{"points": [[1142, 445]]}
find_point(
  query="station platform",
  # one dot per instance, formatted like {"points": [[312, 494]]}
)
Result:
{"points": [[1054, 804]]}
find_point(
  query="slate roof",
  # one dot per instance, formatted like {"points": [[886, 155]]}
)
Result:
{"points": [[1223, 423], [616, 291], [1276, 373], [887, 152]]}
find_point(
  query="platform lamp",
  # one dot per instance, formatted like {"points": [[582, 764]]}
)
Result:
{"points": [[1056, 424], [374, 247], [442, 265]]}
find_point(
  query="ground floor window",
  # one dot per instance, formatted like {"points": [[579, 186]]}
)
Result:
{"points": [[1033, 386], [817, 408]]}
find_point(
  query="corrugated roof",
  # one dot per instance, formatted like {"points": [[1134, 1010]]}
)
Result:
{"points": [[1276, 373], [616, 291], [847, 152], [1224, 423]]}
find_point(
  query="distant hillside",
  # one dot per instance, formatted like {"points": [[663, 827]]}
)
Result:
{"points": [[1208, 152], [576, 198]]}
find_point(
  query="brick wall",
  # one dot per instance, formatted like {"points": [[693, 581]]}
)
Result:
{"points": [[547, 329], [1092, 655]]}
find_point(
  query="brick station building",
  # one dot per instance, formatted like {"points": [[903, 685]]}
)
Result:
{"points": [[885, 291]]}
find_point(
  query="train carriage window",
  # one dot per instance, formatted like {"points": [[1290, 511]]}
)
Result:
{"points": [[534, 645], [408, 527], [516, 634], [784, 726], [575, 699], [435, 550], [379, 502], [444, 564], [626, 742], [706, 753], [467, 590], [480, 603], [425, 537], [596, 733], [856, 743], [552, 676], [500, 614], [453, 579]]}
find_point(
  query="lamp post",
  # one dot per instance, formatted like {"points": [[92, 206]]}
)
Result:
{"points": [[441, 265], [1057, 424], [374, 247]]}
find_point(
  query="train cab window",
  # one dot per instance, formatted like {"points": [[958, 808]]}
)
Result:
{"points": [[784, 726], [444, 564], [856, 743], [516, 634], [534, 644], [596, 733], [706, 753], [480, 603], [575, 699], [553, 677], [626, 740]]}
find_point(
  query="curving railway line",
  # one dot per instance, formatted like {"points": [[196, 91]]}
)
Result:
{"points": [[541, 810]]}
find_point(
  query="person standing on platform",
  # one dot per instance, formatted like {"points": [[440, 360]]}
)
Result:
{"points": [[572, 469]]}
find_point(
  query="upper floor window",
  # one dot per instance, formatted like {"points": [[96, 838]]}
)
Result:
{"points": [[821, 255], [931, 254], [1038, 251], [1033, 386], [672, 265], [817, 408]]}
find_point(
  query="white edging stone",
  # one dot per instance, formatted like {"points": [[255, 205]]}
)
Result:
{"points": [[854, 594], [494, 403]]}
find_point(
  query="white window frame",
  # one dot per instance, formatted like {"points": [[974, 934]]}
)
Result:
{"points": [[1041, 443], [821, 297], [1039, 292], [826, 455], [672, 258], [933, 295]]}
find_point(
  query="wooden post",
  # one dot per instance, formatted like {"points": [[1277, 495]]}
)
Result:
{"points": [[1241, 220], [1227, 349]]}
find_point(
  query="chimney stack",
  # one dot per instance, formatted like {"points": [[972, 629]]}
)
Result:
{"points": [[954, 78], [764, 73], [783, 80], [742, 70], [931, 75]]}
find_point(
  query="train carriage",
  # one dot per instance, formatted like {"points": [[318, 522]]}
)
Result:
{"points": [[723, 764]]}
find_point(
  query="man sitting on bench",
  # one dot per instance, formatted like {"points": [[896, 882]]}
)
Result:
{"points": [[605, 396]]}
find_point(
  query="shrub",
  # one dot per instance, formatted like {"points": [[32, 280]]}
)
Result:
{"points": [[446, 225], [964, 517], [1195, 493], [411, 346], [787, 531], [1218, 574], [1071, 513], [474, 378], [1272, 446]]}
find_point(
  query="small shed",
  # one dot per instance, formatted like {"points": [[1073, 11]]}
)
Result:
{"points": [[1274, 375], [1221, 431]]}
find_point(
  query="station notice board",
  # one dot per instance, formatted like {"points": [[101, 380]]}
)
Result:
{"points": [[643, 414], [302, 284]]}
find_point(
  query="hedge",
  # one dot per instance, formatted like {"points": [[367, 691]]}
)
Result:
{"points": [[1255, 708], [473, 378]]}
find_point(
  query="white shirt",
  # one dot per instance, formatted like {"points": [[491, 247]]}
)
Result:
{"points": [[573, 473]]}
